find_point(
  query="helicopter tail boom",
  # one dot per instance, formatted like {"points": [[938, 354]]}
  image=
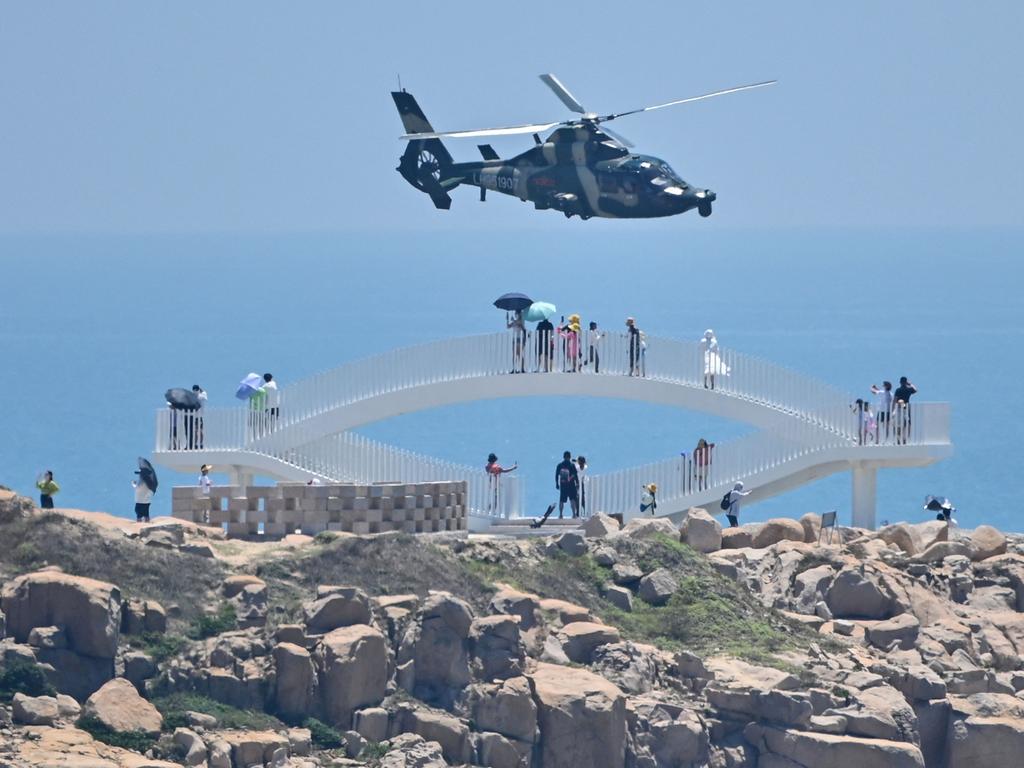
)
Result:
{"points": [[425, 162]]}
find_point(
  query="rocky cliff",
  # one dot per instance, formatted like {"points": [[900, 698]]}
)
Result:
{"points": [[648, 647]]}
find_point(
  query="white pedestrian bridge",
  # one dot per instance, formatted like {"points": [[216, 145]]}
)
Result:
{"points": [[808, 429]]}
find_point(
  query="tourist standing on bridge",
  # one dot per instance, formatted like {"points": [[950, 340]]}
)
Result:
{"points": [[567, 482], [901, 408], [593, 352], [494, 472], [634, 346], [883, 406], [194, 420], [47, 489], [702, 462], [545, 345], [713, 364], [581, 474], [273, 404], [731, 503], [571, 333], [518, 328]]}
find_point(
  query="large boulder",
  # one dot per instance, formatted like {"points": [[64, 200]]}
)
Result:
{"points": [[521, 604], [776, 530], [600, 526], [352, 663], [496, 647], [507, 708], [701, 531], [737, 538], [987, 542], [451, 733], [901, 630], [89, 610], [295, 681], [342, 607], [640, 528], [674, 736], [658, 586], [901, 535], [408, 750], [118, 706], [940, 550], [927, 533], [806, 749], [580, 638], [34, 710], [811, 523], [437, 644], [985, 729], [582, 718], [248, 748], [854, 594]]}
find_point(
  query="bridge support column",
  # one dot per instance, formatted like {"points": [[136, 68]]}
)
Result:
{"points": [[865, 483]]}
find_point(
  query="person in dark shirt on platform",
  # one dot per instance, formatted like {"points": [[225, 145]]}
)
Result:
{"points": [[901, 408], [567, 483], [545, 345]]}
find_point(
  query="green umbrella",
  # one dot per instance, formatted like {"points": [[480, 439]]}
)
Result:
{"points": [[540, 310]]}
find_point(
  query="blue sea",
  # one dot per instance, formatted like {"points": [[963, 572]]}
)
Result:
{"points": [[93, 330]]}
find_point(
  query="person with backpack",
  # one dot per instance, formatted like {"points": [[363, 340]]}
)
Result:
{"points": [[567, 482], [731, 504], [649, 498]]}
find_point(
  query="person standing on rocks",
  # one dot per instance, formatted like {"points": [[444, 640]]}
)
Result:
{"points": [[47, 488], [731, 504], [204, 479], [581, 474], [143, 498], [567, 482]]}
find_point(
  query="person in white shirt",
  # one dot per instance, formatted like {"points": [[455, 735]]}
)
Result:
{"points": [[273, 401], [733, 511], [204, 479], [713, 364], [883, 406], [581, 473], [143, 498], [194, 420], [594, 337]]}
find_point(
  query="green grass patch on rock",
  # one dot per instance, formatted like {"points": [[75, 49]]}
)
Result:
{"points": [[136, 741], [323, 735], [210, 625], [174, 706], [21, 676]]}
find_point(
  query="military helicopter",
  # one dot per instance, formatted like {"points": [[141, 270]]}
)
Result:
{"points": [[582, 169]]}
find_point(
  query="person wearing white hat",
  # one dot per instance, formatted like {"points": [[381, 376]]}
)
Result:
{"points": [[731, 504], [713, 364]]}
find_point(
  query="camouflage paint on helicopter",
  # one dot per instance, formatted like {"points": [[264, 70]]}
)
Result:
{"points": [[580, 169]]}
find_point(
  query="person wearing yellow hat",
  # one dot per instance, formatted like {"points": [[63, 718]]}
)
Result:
{"points": [[571, 333], [649, 499]]}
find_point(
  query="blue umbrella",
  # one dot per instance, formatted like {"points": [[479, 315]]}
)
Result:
{"points": [[513, 302], [249, 386], [540, 310]]}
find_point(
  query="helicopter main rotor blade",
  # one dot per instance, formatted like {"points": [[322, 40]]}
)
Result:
{"points": [[686, 101], [562, 93], [473, 133], [618, 137]]}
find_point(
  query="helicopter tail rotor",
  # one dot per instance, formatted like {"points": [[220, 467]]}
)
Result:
{"points": [[425, 162]]}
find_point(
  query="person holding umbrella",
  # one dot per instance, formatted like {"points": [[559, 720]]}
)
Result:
{"points": [[144, 487], [516, 303], [47, 488]]}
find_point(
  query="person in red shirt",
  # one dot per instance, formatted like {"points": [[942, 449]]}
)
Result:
{"points": [[494, 472]]}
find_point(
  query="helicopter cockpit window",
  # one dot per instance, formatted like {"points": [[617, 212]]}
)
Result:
{"points": [[660, 181], [628, 185], [608, 183]]}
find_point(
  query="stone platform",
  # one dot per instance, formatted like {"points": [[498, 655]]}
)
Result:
{"points": [[278, 510]]}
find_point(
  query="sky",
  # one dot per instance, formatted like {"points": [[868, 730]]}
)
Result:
{"points": [[255, 117]]}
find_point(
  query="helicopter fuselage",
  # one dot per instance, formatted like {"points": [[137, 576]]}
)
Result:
{"points": [[581, 171]]}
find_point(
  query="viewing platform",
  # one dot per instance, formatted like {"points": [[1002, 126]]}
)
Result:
{"points": [[808, 429]]}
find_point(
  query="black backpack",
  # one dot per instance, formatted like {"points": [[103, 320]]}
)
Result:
{"points": [[725, 501]]}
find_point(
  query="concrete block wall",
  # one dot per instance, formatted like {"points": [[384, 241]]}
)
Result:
{"points": [[275, 511]]}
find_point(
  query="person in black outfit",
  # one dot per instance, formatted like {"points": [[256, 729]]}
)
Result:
{"points": [[634, 347], [567, 482], [901, 408], [545, 350]]}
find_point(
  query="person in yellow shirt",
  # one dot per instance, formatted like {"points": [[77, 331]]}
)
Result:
{"points": [[47, 488]]}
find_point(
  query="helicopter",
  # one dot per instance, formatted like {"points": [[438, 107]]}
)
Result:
{"points": [[582, 168]]}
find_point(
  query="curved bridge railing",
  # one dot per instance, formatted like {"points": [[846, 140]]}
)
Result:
{"points": [[729, 374]]}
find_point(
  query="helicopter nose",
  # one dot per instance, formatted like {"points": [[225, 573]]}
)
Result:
{"points": [[706, 195]]}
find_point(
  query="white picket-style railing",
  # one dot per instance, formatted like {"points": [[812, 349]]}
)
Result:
{"points": [[687, 477], [730, 373]]}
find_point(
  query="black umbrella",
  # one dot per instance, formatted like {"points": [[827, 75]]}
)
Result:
{"points": [[513, 302], [147, 474], [182, 399]]}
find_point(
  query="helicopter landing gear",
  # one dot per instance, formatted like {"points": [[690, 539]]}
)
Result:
{"points": [[704, 209]]}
